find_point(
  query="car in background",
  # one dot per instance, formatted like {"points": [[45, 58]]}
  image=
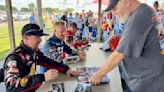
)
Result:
{"points": [[25, 16], [20, 17], [2, 19]]}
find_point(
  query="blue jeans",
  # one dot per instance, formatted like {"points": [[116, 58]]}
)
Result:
{"points": [[105, 35]]}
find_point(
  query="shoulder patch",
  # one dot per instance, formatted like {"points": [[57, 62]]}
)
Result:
{"points": [[12, 63]]}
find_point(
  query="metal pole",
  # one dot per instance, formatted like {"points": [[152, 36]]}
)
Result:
{"points": [[39, 13], [99, 21], [10, 24]]}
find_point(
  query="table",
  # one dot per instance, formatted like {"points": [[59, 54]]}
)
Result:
{"points": [[95, 57]]}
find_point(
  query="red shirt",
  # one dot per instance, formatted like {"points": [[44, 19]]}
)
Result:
{"points": [[76, 43]]}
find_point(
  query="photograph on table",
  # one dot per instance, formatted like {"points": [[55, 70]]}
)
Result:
{"points": [[87, 72], [83, 87], [58, 87]]}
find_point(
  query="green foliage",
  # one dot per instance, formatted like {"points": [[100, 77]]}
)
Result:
{"points": [[2, 7], [14, 9], [69, 10], [48, 9], [31, 6], [24, 9], [57, 10], [4, 36]]}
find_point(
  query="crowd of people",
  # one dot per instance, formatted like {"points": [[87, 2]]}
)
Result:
{"points": [[138, 52], [66, 40], [132, 30]]}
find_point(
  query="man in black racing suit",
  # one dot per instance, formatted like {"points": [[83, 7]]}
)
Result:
{"points": [[20, 65]]}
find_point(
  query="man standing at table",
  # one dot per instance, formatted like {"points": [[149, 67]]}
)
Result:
{"points": [[20, 65], [138, 51]]}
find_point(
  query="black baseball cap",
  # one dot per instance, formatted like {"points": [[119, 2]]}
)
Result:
{"points": [[73, 24], [32, 29], [112, 4]]}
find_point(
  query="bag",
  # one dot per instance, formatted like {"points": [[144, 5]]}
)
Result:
{"points": [[1, 75], [114, 42]]}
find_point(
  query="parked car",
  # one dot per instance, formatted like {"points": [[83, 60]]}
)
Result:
{"points": [[2, 19]]}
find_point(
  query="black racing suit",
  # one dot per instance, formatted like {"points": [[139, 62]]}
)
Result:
{"points": [[20, 68]]}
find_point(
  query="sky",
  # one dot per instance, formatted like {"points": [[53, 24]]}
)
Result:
{"points": [[48, 3], [59, 3]]}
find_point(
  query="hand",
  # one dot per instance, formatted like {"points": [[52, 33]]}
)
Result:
{"points": [[71, 72], [82, 55], [96, 78], [51, 74]]}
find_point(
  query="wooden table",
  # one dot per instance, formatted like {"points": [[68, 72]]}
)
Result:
{"points": [[95, 57]]}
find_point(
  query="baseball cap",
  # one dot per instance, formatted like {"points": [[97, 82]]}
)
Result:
{"points": [[73, 24], [32, 29], [112, 4]]}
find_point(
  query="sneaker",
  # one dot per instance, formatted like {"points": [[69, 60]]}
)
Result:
{"points": [[108, 50], [101, 48]]}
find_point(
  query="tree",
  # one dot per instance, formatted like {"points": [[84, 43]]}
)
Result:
{"points": [[56, 9], [31, 6], [48, 9], [14, 9], [24, 9], [69, 10], [2, 7]]}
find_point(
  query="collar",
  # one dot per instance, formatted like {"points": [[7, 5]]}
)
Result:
{"points": [[56, 41], [27, 49]]}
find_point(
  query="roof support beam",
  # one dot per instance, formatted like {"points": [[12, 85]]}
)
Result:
{"points": [[10, 24], [99, 21], [39, 13]]}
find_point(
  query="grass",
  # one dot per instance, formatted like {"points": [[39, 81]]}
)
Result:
{"points": [[4, 36]]}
